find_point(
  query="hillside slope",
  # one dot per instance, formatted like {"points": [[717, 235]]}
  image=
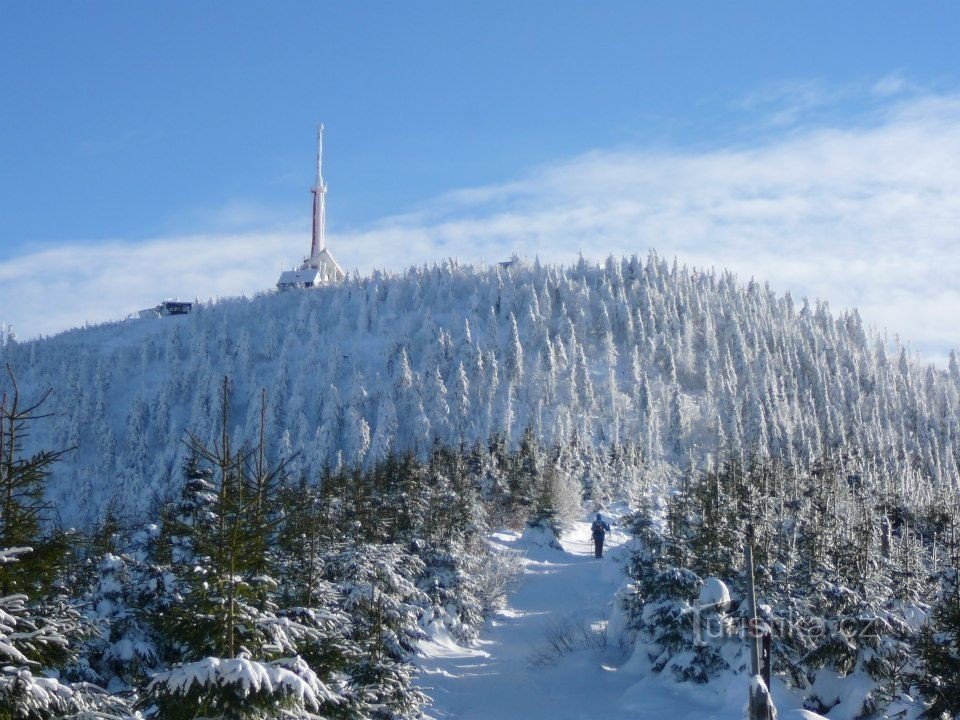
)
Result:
{"points": [[682, 364]]}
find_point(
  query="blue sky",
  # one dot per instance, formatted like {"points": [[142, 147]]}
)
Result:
{"points": [[131, 127]]}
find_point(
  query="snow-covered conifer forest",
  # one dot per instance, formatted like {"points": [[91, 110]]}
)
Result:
{"points": [[265, 508]]}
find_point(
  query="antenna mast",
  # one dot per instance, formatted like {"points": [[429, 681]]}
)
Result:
{"points": [[318, 243], [321, 267]]}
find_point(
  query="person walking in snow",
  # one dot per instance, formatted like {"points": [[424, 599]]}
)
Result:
{"points": [[599, 529]]}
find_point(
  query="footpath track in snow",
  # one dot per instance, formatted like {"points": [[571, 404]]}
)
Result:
{"points": [[501, 677], [505, 678]]}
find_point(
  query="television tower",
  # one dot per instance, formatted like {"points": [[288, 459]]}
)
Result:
{"points": [[320, 267], [319, 243]]}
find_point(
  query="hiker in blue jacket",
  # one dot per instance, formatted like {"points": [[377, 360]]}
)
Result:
{"points": [[599, 529]]}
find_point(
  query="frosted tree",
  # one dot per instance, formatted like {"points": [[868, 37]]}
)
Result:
{"points": [[136, 436], [356, 437], [436, 407], [331, 427], [241, 655], [584, 383], [514, 353], [385, 431], [381, 597], [29, 643], [461, 404], [37, 636], [938, 649], [755, 423], [124, 650], [677, 427], [25, 513]]}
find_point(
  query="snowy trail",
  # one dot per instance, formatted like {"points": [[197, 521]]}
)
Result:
{"points": [[500, 678]]}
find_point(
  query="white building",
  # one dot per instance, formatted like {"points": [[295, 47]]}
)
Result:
{"points": [[166, 308], [320, 267]]}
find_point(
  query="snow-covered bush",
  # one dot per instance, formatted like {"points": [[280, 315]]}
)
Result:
{"points": [[670, 626], [495, 573], [450, 581], [238, 688]]}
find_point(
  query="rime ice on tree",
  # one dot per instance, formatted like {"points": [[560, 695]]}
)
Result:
{"points": [[320, 267]]}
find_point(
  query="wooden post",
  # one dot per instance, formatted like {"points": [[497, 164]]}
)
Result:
{"points": [[752, 609], [766, 658], [760, 706], [885, 537]]}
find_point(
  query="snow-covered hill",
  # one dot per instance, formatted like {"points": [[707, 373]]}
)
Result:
{"points": [[682, 363]]}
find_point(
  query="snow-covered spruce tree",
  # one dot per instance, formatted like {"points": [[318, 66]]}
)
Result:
{"points": [[546, 510], [523, 474], [715, 542], [824, 585], [117, 588], [30, 642], [123, 651], [242, 655], [434, 511], [303, 539], [37, 624], [834, 584], [309, 605], [938, 654], [452, 582], [857, 639], [384, 604], [489, 461], [133, 587], [450, 543], [558, 492], [25, 512], [662, 604]]}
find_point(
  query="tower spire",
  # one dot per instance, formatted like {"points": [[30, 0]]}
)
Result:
{"points": [[321, 267], [318, 242]]}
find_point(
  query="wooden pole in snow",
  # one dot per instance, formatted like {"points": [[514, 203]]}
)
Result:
{"points": [[752, 609], [760, 706]]}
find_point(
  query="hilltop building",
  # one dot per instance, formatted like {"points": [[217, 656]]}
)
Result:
{"points": [[165, 309], [320, 267]]}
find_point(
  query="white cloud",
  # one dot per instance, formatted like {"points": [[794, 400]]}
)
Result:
{"points": [[59, 288], [864, 216], [889, 85]]}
